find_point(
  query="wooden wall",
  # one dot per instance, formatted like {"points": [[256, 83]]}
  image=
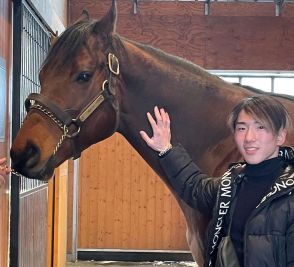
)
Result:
{"points": [[5, 56], [122, 204], [234, 36]]}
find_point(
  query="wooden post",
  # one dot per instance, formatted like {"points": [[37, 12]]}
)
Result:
{"points": [[59, 211]]}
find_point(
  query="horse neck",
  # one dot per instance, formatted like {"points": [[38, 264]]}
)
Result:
{"points": [[146, 83], [151, 77], [192, 97]]}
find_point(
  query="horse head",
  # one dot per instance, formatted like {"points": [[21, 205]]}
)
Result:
{"points": [[79, 100]]}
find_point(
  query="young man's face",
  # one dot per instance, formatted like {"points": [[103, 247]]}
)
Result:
{"points": [[256, 141]]}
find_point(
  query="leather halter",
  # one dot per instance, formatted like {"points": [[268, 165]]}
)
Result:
{"points": [[65, 120]]}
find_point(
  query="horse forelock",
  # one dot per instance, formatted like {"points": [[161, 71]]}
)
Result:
{"points": [[63, 52]]}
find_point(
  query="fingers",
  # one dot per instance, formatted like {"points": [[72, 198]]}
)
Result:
{"points": [[162, 117], [4, 169], [152, 122], [157, 114], [7, 170], [165, 118], [2, 180], [145, 137], [2, 161]]}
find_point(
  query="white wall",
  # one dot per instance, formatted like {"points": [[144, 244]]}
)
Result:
{"points": [[54, 12]]}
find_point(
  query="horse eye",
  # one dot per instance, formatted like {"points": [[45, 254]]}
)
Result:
{"points": [[84, 77]]}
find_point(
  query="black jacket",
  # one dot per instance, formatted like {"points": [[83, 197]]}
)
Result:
{"points": [[269, 231]]}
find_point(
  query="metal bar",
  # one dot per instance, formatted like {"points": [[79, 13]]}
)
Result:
{"points": [[206, 7], [15, 182], [74, 249], [33, 32], [136, 6], [279, 6]]}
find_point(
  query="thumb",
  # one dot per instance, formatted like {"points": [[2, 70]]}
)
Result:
{"points": [[145, 137]]}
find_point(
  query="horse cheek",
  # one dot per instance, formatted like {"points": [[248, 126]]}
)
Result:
{"points": [[99, 127]]}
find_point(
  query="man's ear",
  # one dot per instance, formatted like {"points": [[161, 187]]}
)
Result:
{"points": [[281, 138]]}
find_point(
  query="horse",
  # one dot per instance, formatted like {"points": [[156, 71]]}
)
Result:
{"points": [[95, 82]]}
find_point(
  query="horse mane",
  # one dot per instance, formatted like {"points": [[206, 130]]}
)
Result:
{"points": [[165, 57]]}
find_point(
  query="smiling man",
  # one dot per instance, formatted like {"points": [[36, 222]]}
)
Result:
{"points": [[251, 205], [257, 135]]}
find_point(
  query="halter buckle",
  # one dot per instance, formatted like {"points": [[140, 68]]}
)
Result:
{"points": [[113, 64]]}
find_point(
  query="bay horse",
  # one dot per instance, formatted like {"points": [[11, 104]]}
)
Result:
{"points": [[95, 82]]}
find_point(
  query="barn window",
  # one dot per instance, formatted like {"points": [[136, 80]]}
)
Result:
{"points": [[276, 82]]}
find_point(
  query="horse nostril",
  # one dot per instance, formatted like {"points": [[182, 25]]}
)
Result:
{"points": [[25, 158], [32, 155]]}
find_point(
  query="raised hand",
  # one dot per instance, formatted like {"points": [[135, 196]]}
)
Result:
{"points": [[160, 141]]}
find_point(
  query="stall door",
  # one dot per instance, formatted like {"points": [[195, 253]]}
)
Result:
{"points": [[29, 198]]}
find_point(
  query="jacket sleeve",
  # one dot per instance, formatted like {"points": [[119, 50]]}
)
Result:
{"points": [[191, 185], [290, 246]]}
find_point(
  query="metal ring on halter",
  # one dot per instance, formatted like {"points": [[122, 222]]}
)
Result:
{"points": [[104, 84], [72, 135]]}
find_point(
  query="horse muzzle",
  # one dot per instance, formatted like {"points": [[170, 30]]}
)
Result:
{"points": [[27, 162]]}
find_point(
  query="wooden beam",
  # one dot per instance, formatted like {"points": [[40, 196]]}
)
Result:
{"points": [[60, 215], [50, 229]]}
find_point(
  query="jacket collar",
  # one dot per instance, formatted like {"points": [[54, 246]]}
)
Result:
{"points": [[284, 184], [287, 153]]}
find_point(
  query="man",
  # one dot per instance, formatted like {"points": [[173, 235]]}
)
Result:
{"points": [[4, 170], [251, 205]]}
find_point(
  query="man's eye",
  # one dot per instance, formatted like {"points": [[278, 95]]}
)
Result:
{"points": [[240, 129], [84, 77]]}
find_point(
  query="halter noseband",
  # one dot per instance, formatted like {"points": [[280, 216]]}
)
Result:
{"points": [[64, 120]]}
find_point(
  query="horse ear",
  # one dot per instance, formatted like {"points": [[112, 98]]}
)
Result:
{"points": [[108, 22], [84, 16], [53, 39]]}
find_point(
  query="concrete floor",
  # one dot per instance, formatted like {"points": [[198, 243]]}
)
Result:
{"points": [[130, 264]]}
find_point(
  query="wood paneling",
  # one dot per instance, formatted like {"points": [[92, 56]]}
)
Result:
{"points": [[60, 215], [242, 9], [249, 43], [123, 204], [176, 27], [33, 206], [234, 36], [70, 207], [5, 53]]}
